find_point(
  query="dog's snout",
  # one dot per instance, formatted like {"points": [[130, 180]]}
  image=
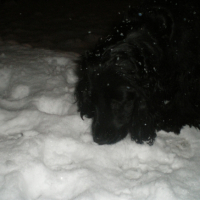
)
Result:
{"points": [[100, 140], [104, 135]]}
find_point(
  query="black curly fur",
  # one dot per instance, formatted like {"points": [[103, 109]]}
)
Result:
{"points": [[143, 77]]}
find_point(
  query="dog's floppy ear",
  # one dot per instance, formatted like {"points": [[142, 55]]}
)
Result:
{"points": [[142, 125], [83, 89], [146, 84]]}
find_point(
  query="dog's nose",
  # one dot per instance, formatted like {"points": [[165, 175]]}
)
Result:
{"points": [[106, 137], [109, 137], [100, 140]]}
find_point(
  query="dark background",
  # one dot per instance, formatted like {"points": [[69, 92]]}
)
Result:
{"points": [[67, 25]]}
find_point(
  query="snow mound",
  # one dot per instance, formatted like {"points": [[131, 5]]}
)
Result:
{"points": [[20, 91], [5, 74], [47, 151]]}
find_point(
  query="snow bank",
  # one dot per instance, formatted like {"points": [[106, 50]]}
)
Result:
{"points": [[47, 152]]}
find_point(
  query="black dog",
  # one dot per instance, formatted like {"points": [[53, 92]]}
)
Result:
{"points": [[143, 77]]}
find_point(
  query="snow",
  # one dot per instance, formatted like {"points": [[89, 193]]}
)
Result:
{"points": [[46, 149]]}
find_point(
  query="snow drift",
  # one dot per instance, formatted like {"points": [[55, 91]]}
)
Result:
{"points": [[47, 152]]}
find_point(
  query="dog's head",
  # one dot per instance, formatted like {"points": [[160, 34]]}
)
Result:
{"points": [[105, 95], [113, 100]]}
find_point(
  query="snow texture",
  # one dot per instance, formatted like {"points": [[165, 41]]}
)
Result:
{"points": [[47, 151]]}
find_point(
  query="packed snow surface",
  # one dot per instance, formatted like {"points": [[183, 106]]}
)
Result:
{"points": [[47, 151]]}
